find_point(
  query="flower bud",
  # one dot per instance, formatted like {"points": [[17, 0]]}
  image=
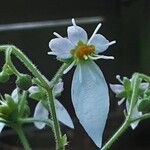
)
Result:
{"points": [[24, 82], [4, 77]]}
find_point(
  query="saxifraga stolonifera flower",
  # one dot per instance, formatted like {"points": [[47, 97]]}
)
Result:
{"points": [[89, 90]]}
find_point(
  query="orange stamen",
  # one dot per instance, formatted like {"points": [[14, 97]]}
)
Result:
{"points": [[84, 50]]}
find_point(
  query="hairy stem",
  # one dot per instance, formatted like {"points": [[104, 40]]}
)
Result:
{"points": [[46, 84], [22, 137]]}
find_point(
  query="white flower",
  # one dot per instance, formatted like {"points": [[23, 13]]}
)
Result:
{"points": [[42, 113], [89, 89], [118, 88]]}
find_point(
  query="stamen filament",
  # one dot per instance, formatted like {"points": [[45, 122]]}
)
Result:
{"points": [[73, 22], [121, 101], [85, 57], [111, 43], [69, 68], [119, 78], [51, 53], [100, 57], [57, 35], [95, 31], [80, 74]]}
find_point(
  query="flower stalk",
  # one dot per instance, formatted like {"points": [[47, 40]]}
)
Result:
{"points": [[48, 87]]}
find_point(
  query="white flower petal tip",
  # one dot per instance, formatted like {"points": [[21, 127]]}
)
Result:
{"points": [[76, 34], [135, 114], [62, 115], [2, 125], [91, 100], [33, 89], [40, 113], [116, 88], [144, 85]]}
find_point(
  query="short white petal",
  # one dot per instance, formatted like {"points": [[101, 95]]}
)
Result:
{"points": [[63, 115], [91, 100], [1, 126], [33, 89], [144, 85], [116, 88], [61, 47], [100, 43], [76, 34], [59, 87], [40, 113], [135, 114], [14, 95]]}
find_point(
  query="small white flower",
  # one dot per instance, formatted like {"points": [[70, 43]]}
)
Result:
{"points": [[118, 88], [42, 113]]}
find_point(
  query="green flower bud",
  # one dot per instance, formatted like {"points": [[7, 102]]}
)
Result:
{"points": [[5, 110], [144, 106], [24, 82], [4, 77]]}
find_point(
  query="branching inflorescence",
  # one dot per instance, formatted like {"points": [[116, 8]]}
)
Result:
{"points": [[89, 90]]}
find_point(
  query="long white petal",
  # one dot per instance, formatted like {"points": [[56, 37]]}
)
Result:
{"points": [[63, 115], [100, 43], [59, 87], [135, 114], [61, 47], [1, 126], [40, 113], [76, 34], [91, 100]]}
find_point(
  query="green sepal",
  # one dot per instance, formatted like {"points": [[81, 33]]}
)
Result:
{"points": [[7, 69], [121, 94], [144, 106], [4, 77], [24, 82], [38, 95], [5, 110], [64, 140], [11, 104], [127, 84], [147, 93]]}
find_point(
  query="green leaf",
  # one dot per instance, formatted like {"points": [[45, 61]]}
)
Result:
{"points": [[144, 106]]}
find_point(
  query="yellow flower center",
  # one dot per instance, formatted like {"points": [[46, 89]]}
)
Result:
{"points": [[82, 50]]}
